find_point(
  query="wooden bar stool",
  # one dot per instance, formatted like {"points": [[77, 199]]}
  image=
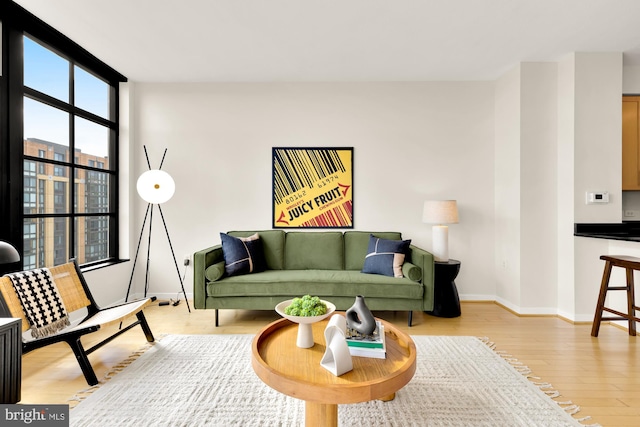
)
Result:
{"points": [[629, 264]]}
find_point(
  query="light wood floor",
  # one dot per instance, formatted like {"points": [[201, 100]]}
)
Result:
{"points": [[601, 375]]}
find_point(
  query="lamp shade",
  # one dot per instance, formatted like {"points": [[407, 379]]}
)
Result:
{"points": [[156, 186], [8, 253], [440, 212]]}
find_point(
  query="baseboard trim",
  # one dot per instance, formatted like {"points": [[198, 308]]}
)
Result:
{"points": [[516, 312]]}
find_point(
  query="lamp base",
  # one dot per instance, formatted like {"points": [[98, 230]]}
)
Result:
{"points": [[440, 244]]}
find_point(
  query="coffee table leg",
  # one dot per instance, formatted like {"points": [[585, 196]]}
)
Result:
{"points": [[388, 398], [320, 415]]}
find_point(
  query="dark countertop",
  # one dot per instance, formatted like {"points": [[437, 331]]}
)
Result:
{"points": [[629, 231]]}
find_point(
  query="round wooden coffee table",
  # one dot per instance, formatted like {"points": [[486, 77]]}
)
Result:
{"points": [[296, 371]]}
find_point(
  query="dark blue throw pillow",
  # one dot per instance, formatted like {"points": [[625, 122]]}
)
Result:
{"points": [[385, 256], [242, 255]]}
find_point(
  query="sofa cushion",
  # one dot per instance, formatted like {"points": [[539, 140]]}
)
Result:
{"points": [[356, 244], [323, 283], [214, 271], [272, 245], [242, 255], [411, 271], [314, 250], [385, 256]]}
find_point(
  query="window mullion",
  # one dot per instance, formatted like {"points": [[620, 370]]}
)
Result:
{"points": [[12, 224], [72, 170], [64, 106]]}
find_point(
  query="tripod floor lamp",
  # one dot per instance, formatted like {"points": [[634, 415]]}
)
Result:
{"points": [[155, 187]]}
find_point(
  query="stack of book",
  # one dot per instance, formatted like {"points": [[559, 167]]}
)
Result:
{"points": [[372, 345]]}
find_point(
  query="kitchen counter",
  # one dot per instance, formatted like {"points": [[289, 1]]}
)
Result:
{"points": [[629, 231]]}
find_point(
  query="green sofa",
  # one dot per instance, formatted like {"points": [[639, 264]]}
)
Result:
{"points": [[324, 263]]}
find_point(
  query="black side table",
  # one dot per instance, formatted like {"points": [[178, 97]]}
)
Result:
{"points": [[446, 301], [11, 360]]}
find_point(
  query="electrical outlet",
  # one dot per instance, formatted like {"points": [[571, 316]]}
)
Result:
{"points": [[631, 214], [187, 259]]}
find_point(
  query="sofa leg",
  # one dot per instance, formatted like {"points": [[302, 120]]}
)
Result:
{"points": [[216, 313], [410, 317]]}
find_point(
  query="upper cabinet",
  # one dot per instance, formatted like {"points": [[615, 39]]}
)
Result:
{"points": [[630, 143]]}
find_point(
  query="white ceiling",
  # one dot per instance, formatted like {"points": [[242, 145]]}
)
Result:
{"points": [[338, 40]]}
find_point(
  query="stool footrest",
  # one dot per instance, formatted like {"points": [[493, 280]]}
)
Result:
{"points": [[619, 313], [619, 318], [617, 288]]}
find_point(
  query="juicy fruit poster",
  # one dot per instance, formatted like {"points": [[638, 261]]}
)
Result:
{"points": [[312, 187]]}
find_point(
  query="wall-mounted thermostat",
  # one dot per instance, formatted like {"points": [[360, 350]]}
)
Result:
{"points": [[597, 197]]}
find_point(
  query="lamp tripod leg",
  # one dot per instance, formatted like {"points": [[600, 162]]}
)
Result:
{"points": [[135, 260], [146, 274], [174, 258]]}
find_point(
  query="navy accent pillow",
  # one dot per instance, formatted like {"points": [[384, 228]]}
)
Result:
{"points": [[385, 256], [242, 255]]}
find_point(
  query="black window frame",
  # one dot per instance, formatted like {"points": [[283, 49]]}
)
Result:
{"points": [[17, 23]]}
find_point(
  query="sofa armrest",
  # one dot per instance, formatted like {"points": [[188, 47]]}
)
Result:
{"points": [[424, 260], [201, 260]]}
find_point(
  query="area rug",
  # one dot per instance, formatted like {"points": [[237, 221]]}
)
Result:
{"points": [[207, 380]]}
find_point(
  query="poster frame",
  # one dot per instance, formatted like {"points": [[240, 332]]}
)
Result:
{"points": [[287, 169]]}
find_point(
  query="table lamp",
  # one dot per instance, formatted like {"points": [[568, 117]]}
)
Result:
{"points": [[8, 254], [440, 212]]}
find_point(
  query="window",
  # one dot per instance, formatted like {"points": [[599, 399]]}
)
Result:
{"points": [[67, 143], [82, 141]]}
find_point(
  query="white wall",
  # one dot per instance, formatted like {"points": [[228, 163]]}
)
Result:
{"points": [[598, 165], [631, 79], [507, 188], [412, 141], [517, 154], [558, 133], [565, 187], [538, 178], [525, 182], [598, 135]]}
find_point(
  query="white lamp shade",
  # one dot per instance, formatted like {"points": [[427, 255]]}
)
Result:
{"points": [[156, 186], [440, 212]]}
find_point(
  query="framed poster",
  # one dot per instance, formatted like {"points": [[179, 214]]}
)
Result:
{"points": [[312, 187]]}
